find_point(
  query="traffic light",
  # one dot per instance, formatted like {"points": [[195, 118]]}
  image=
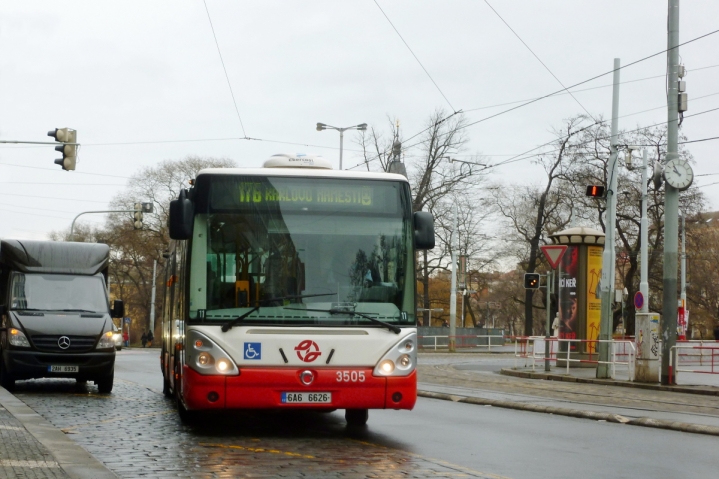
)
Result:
{"points": [[531, 280], [68, 138], [138, 216], [596, 191]]}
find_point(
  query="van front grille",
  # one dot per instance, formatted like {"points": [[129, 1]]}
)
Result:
{"points": [[51, 343]]}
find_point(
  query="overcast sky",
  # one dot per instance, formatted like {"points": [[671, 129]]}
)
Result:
{"points": [[149, 72]]}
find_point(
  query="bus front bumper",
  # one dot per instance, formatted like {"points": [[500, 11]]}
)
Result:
{"points": [[270, 388]]}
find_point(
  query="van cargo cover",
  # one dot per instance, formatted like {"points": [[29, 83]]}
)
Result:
{"points": [[54, 257]]}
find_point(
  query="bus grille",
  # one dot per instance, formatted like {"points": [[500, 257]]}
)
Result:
{"points": [[49, 343]]}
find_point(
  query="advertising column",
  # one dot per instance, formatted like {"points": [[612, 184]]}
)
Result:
{"points": [[594, 300]]}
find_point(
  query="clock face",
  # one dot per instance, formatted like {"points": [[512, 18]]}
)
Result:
{"points": [[678, 174]]}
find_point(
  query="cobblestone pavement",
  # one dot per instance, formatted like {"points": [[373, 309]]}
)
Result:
{"points": [[439, 370], [136, 432], [21, 455]]}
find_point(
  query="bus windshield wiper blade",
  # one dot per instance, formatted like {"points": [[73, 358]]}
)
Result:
{"points": [[227, 326], [391, 327], [76, 311]]}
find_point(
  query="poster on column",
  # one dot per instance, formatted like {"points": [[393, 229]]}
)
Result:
{"points": [[594, 301], [568, 296]]}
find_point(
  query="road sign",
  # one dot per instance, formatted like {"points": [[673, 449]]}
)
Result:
{"points": [[638, 300], [126, 319], [553, 253]]}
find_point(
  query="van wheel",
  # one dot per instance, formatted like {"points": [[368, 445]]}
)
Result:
{"points": [[356, 417], [6, 380], [104, 384]]}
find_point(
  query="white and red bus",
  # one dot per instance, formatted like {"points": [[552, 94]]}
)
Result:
{"points": [[293, 286]]}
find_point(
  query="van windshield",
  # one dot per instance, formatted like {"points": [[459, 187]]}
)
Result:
{"points": [[58, 292]]}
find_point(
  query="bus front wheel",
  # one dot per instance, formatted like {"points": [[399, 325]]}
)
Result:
{"points": [[356, 417]]}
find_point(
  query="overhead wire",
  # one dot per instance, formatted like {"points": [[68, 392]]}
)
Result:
{"points": [[229, 84], [376, 157], [537, 57], [415, 57]]}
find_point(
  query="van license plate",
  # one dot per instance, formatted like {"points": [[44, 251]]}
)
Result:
{"points": [[63, 369], [307, 398]]}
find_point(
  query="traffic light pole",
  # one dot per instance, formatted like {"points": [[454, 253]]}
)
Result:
{"points": [[72, 226], [608, 258], [550, 285]]}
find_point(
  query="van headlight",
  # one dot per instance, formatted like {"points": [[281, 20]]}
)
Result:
{"points": [[18, 338], [106, 341], [400, 360], [206, 357]]}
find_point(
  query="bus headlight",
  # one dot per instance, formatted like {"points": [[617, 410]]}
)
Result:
{"points": [[18, 338], [400, 360], [206, 357]]}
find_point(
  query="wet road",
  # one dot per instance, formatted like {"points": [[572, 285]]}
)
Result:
{"points": [[136, 432]]}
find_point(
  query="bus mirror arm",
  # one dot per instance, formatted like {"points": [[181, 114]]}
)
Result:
{"points": [[423, 230]]}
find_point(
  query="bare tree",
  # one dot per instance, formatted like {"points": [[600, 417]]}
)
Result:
{"points": [[535, 212]]}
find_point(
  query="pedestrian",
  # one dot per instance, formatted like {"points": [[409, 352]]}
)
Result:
{"points": [[150, 337], [445, 324], [126, 339], [716, 332], [555, 326], [144, 339]]}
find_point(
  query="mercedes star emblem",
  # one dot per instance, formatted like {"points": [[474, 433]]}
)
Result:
{"points": [[63, 342]]}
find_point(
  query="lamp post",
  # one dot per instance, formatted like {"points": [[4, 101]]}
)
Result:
{"points": [[360, 127]]}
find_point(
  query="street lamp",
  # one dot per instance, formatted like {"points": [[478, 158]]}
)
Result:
{"points": [[360, 127]]}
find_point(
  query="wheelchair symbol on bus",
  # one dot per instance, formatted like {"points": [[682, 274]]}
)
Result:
{"points": [[253, 350]]}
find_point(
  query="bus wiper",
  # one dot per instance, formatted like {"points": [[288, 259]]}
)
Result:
{"points": [[391, 327], [76, 311], [227, 326]]}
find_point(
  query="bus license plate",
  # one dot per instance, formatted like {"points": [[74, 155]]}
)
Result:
{"points": [[63, 369], [306, 398]]}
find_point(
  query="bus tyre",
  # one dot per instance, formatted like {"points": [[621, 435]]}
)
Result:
{"points": [[6, 380], [356, 417], [166, 387], [187, 417], [104, 384]]}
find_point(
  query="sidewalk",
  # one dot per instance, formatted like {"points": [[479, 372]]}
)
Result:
{"points": [[687, 407], [32, 447]]}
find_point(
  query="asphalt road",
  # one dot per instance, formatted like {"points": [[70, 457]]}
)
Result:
{"points": [[485, 442]]}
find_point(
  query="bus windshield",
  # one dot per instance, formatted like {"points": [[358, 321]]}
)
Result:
{"points": [[303, 251]]}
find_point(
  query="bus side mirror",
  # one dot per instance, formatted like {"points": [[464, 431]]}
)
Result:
{"points": [[423, 230], [118, 309], [3, 309], [180, 221]]}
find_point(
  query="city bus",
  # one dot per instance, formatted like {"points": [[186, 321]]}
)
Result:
{"points": [[292, 286]]}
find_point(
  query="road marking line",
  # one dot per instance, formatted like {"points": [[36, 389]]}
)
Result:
{"points": [[30, 464], [259, 449], [461, 469]]}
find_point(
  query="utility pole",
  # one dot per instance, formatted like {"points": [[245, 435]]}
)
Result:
{"points": [[152, 302], [453, 291], [644, 259], [608, 258], [671, 199]]}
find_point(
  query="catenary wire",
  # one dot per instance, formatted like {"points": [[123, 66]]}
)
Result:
{"points": [[415, 57], [538, 59], [234, 101], [365, 162]]}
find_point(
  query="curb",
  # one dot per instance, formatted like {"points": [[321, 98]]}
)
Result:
{"points": [[609, 382], [597, 416], [72, 458]]}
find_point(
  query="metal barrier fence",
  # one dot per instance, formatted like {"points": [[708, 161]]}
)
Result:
{"points": [[461, 341], [702, 356], [532, 348]]}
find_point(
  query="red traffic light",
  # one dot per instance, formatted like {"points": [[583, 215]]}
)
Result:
{"points": [[597, 191]]}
